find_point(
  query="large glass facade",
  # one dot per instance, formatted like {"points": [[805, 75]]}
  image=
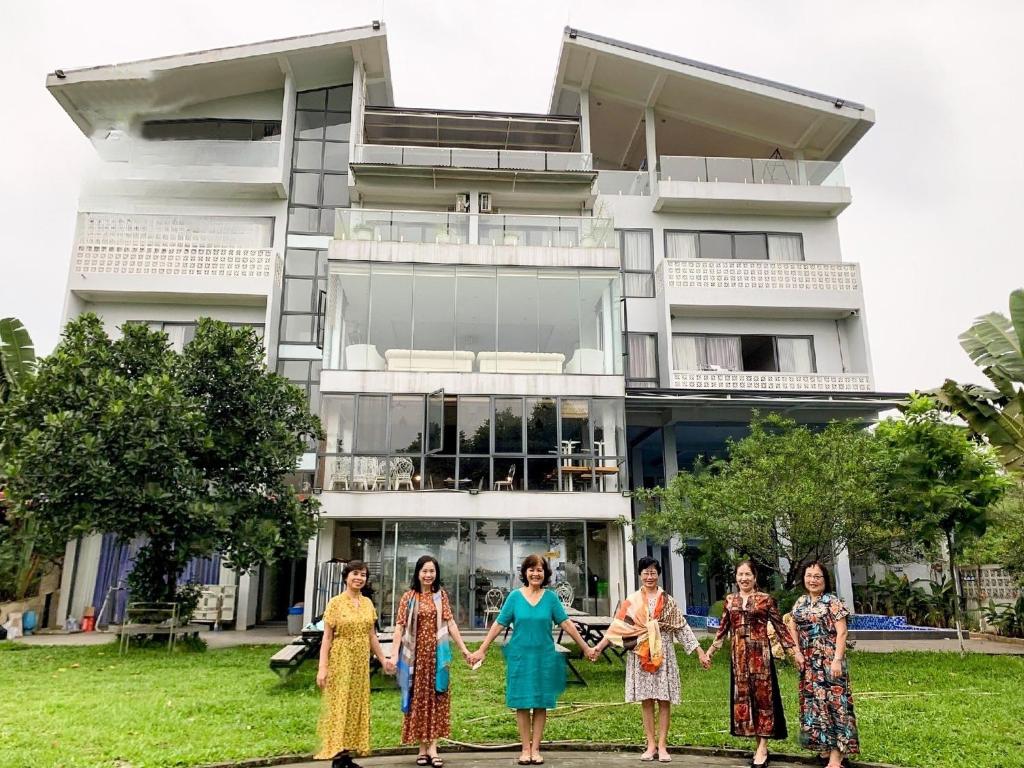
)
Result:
{"points": [[421, 317], [374, 442], [476, 557]]}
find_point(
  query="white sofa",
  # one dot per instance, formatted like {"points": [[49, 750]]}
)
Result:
{"points": [[429, 360], [519, 362], [586, 361], [363, 357]]}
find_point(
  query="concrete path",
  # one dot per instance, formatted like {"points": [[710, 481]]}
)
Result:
{"points": [[278, 635]]}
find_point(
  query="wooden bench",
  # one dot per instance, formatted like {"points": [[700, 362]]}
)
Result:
{"points": [[567, 654]]}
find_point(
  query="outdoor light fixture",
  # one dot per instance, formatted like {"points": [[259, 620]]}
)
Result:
{"points": [[59, 73], [376, 25], [317, 491], [626, 494], [474, 491], [572, 34]]}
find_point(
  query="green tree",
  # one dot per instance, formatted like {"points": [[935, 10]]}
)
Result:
{"points": [[1003, 540], [994, 342], [943, 483], [190, 452], [784, 495]]}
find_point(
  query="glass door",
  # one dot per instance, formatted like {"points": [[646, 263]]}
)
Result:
{"points": [[405, 541], [490, 550]]}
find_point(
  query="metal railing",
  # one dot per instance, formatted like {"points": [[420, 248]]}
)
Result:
{"points": [[745, 170], [121, 148], [453, 157], [490, 229]]}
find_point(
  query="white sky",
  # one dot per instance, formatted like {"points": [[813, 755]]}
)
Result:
{"points": [[937, 182]]}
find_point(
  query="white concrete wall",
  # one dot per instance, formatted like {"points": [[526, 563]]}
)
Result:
{"points": [[264, 105]]}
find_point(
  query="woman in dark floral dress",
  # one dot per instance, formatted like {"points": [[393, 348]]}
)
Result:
{"points": [[827, 722], [755, 703]]}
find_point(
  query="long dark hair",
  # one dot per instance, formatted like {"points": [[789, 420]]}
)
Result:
{"points": [[415, 583]]}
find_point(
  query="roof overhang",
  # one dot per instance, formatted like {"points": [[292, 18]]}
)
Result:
{"points": [[722, 111], [109, 96], [472, 130]]}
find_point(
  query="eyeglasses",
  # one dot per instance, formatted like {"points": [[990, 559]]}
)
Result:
{"points": [[814, 577], [645, 574]]}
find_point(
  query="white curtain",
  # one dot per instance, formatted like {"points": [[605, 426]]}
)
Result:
{"points": [[689, 353], [681, 245], [637, 252], [642, 356], [795, 355], [724, 352], [785, 248]]}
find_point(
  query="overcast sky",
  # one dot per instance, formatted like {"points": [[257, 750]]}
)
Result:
{"points": [[936, 183]]}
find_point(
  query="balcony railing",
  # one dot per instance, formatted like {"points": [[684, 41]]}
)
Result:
{"points": [[745, 170], [623, 183], [453, 157], [120, 148], [770, 381], [763, 275], [484, 229]]}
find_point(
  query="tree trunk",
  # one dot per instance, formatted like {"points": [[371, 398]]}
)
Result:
{"points": [[956, 589]]}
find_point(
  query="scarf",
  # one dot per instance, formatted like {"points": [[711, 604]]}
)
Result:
{"points": [[407, 659], [634, 629]]}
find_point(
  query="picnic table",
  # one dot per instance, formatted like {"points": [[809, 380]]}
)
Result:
{"points": [[307, 646], [592, 629]]}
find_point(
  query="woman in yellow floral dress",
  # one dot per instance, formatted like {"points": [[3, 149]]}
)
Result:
{"points": [[344, 673]]}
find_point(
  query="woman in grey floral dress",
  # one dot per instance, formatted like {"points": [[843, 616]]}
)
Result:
{"points": [[646, 624]]}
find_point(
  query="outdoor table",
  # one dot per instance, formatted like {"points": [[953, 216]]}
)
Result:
{"points": [[585, 473], [453, 483], [592, 630]]}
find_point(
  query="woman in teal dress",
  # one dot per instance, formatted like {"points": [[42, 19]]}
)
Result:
{"points": [[534, 671]]}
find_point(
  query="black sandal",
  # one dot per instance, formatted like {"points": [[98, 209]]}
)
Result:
{"points": [[436, 761], [423, 760]]}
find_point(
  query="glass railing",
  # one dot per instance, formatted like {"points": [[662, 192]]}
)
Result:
{"points": [[454, 157], [745, 170], [491, 229], [623, 183], [140, 152]]}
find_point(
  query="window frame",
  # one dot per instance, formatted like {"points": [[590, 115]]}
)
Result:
{"points": [[732, 242], [621, 237], [775, 346], [632, 380]]}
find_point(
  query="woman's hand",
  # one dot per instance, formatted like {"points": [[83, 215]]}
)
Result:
{"points": [[476, 657], [321, 678], [836, 669], [592, 654], [705, 658], [390, 666], [798, 658]]}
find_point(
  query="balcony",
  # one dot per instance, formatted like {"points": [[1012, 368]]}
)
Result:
{"points": [[766, 381], [362, 234], [750, 185], [185, 258], [489, 159], [765, 287], [221, 168]]}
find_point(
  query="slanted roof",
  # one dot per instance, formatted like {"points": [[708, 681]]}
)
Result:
{"points": [[475, 130], [105, 96], [702, 109]]}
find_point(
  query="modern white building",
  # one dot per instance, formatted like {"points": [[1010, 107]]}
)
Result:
{"points": [[505, 321]]}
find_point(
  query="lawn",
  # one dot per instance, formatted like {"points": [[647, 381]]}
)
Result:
{"points": [[65, 706]]}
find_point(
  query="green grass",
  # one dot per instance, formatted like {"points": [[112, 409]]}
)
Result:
{"points": [[86, 706]]}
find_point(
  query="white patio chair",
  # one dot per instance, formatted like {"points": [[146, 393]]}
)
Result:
{"points": [[401, 473], [340, 470], [564, 593], [508, 484], [492, 604]]}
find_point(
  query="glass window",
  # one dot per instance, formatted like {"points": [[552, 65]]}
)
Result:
{"points": [[643, 359], [558, 316], [475, 425], [517, 316], [294, 370], [541, 425], [754, 246], [339, 126], [715, 245], [599, 325], [637, 249], [434, 317], [300, 262], [306, 154], [371, 423], [475, 310], [597, 569], [528, 538], [310, 100], [297, 295], [340, 98], [508, 474], [785, 248], [335, 191], [796, 354], [327, 221], [439, 473], [477, 471], [303, 220], [297, 328], [391, 322], [609, 437], [309, 125], [576, 426], [508, 425], [758, 353], [542, 474], [335, 156], [680, 245], [407, 424], [353, 318], [339, 422], [305, 188], [568, 563]]}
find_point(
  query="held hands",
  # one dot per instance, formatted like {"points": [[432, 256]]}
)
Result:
{"points": [[476, 657], [592, 654], [705, 658], [390, 666]]}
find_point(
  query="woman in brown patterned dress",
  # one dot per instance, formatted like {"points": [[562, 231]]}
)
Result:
{"points": [[422, 656], [755, 702]]}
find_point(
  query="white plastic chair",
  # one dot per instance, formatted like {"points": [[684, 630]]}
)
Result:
{"points": [[508, 483], [401, 473], [564, 593], [492, 604]]}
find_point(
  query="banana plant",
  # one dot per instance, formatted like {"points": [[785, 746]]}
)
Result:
{"points": [[17, 356], [994, 343]]}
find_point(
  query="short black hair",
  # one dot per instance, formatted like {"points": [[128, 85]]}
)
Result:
{"points": [[415, 584], [355, 565], [824, 571], [646, 562], [532, 561]]}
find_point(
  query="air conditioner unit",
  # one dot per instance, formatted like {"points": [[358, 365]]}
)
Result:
{"points": [[462, 202], [485, 202]]}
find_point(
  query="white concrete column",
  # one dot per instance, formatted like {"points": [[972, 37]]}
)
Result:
{"points": [[624, 564], [320, 550], [66, 581], [287, 130], [474, 216], [585, 122], [245, 611], [844, 579], [676, 565], [652, 147]]}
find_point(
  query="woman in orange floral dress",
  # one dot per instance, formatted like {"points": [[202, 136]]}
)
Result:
{"points": [[421, 654], [755, 701]]}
